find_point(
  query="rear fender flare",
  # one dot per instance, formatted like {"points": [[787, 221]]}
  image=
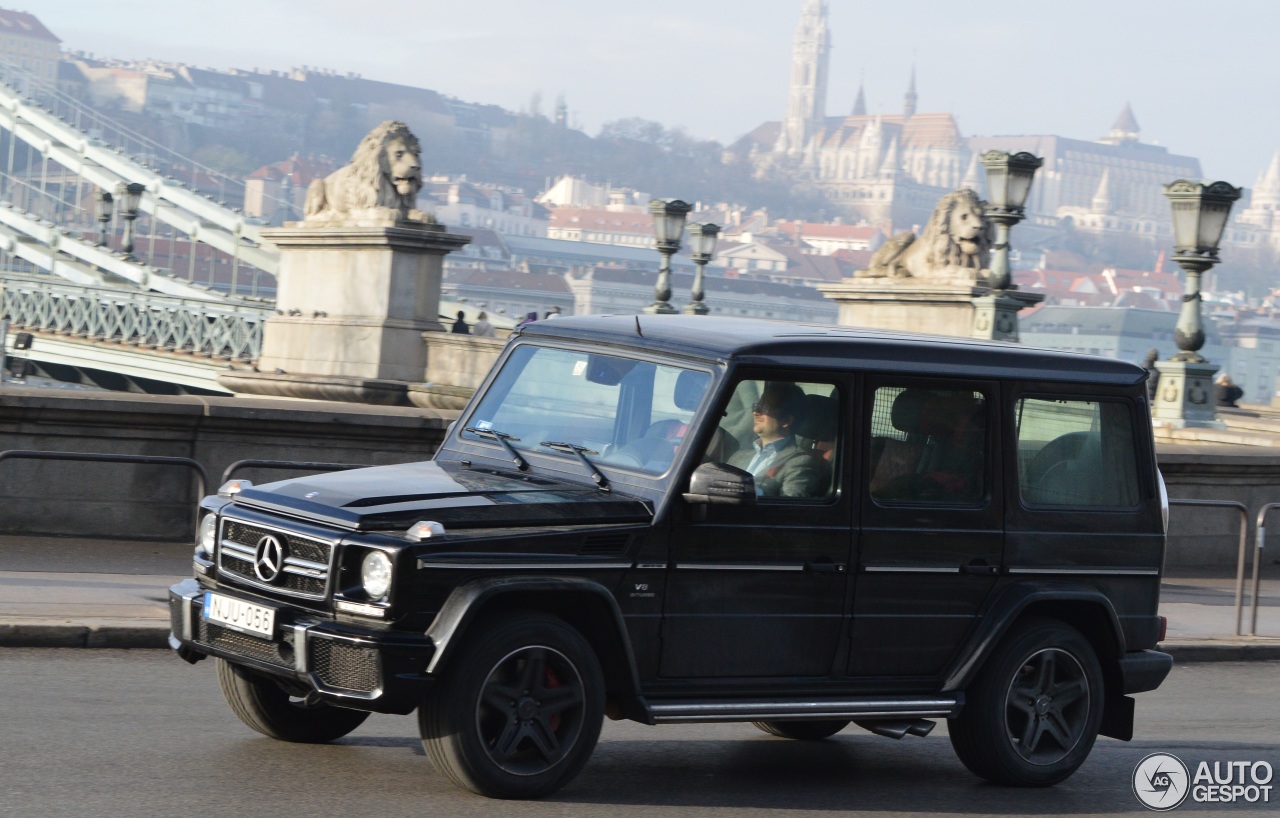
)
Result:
{"points": [[1013, 603]]}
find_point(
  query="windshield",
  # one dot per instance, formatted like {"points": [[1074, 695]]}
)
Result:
{"points": [[624, 412]]}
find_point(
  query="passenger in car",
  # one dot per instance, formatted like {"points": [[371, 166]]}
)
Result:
{"points": [[779, 466]]}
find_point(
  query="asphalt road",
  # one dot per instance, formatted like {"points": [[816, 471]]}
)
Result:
{"points": [[140, 733]]}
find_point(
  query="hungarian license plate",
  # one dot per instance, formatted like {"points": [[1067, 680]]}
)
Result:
{"points": [[240, 615]]}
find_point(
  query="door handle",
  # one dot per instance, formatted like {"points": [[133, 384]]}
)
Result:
{"points": [[979, 568], [825, 567]]}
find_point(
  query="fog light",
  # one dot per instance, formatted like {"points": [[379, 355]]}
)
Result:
{"points": [[375, 574], [207, 537]]}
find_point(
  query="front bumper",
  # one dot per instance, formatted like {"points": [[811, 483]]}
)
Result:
{"points": [[347, 665]]}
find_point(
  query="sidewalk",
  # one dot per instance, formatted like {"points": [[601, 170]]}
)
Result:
{"points": [[112, 594]]}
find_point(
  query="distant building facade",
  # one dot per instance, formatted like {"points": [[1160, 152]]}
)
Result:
{"points": [[27, 44]]}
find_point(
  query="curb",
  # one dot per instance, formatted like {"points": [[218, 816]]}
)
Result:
{"points": [[1214, 651], [83, 636]]}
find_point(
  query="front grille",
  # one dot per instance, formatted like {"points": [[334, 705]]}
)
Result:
{"points": [[307, 562], [241, 644], [344, 666]]}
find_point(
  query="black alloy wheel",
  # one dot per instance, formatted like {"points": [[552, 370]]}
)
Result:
{"points": [[1034, 710], [519, 713]]}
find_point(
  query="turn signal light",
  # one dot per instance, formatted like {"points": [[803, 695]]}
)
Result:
{"points": [[424, 530], [231, 488]]}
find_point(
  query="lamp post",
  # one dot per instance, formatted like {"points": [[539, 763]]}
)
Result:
{"points": [[103, 207], [668, 225], [131, 200], [1009, 177], [1200, 213], [702, 247]]}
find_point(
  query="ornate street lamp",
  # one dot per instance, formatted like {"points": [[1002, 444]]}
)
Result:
{"points": [[131, 199], [702, 247], [1009, 177], [103, 206], [668, 225], [1200, 212]]}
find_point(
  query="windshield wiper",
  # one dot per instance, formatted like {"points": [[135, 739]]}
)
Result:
{"points": [[581, 452], [502, 437]]}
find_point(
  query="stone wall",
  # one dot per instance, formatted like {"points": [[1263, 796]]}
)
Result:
{"points": [[157, 502], [1207, 539]]}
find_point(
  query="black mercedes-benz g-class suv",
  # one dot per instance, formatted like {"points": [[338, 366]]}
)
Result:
{"points": [[700, 519]]}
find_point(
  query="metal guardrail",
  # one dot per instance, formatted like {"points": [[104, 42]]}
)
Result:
{"points": [[300, 465], [1240, 557], [208, 328], [1259, 540], [202, 477]]}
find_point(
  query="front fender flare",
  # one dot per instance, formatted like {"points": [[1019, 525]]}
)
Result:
{"points": [[467, 601]]}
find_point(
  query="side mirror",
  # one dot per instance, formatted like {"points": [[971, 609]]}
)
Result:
{"points": [[721, 484]]}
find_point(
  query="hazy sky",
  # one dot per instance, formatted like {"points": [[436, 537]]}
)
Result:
{"points": [[1202, 76]]}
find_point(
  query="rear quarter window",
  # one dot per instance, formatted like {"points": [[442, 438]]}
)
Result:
{"points": [[1076, 453]]}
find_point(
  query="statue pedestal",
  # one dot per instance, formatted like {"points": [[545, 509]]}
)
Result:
{"points": [[937, 306], [353, 301], [1184, 396], [995, 315]]}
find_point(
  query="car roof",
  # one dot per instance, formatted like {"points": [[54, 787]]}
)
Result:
{"points": [[752, 340]]}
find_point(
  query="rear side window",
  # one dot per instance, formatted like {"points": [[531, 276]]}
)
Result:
{"points": [[1076, 453], [928, 446]]}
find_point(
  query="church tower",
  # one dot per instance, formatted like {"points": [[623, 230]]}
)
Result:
{"points": [[909, 100], [806, 106]]}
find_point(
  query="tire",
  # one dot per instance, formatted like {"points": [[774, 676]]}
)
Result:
{"points": [[518, 712], [803, 730], [1034, 710], [264, 705]]}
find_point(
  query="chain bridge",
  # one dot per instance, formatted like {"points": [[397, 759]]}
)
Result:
{"points": [[155, 287]]}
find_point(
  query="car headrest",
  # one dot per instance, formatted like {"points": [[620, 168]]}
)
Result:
{"points": [[690, 387], [908, 410], [819, 420]]}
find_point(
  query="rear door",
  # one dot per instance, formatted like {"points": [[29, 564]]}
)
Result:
{"points": [[932, 526]]}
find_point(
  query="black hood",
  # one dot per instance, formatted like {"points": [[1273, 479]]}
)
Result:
{"points": [[389, 498]]}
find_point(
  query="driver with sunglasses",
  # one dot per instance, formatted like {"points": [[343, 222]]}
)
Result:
{"points": [[779, 466]]}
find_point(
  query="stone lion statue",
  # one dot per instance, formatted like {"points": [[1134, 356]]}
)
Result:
{"points": [[385, 174], [955, 244]]}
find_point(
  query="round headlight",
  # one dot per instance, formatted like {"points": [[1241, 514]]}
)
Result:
{"points": [[375, 574], [207, 538]]}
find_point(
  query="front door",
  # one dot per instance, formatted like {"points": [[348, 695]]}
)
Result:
{"points": [[932, 529], [760, 590]]}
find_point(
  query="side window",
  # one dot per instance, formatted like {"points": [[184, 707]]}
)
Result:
{"points": [[928, 446], [1076, 453], [785, 433]]}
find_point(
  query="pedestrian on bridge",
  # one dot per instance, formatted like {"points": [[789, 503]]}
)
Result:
{"points": [[460, 326]]}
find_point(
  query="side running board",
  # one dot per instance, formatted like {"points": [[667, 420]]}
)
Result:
{"points": [[667, 711]]}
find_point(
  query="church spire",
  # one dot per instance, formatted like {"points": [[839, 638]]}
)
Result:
{"points": [[909, 101], [806, 106], [860, 104], [1102, 198]]}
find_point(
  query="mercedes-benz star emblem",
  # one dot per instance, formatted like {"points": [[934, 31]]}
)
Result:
{"points": [[268, 558]]}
